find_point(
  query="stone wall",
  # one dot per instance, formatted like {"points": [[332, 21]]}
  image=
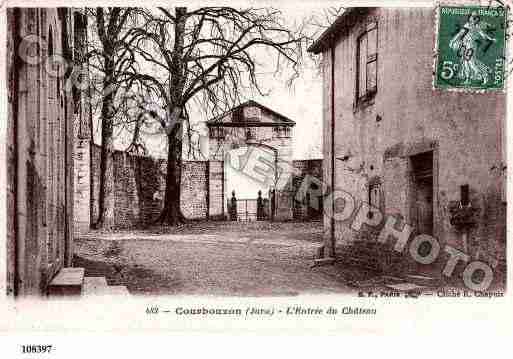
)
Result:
{"points": [[310, 207], [140, 186], [194, 202]]}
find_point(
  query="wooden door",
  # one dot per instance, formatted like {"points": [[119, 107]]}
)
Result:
{"points": [[424, 206], [422, 192]]}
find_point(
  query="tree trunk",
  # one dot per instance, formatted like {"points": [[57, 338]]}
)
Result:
{"points": [[171, 213], [106, 198]]}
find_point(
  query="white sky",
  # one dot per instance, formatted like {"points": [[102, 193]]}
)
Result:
{"points": [[302, 103]]}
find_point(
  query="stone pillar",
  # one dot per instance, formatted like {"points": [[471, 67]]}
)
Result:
{"points": [[284, 191], [82, 194], [216, 190], [81, 132], [284, 199]]}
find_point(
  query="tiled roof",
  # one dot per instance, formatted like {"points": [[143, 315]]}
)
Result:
{"points": [[279, 118]]}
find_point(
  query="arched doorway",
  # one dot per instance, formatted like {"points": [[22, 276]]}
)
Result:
{"points": [[248, 171]]}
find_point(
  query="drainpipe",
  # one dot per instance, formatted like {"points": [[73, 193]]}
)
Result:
{"points": [[332, 157]]}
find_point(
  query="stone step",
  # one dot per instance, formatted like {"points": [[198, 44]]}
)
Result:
{"points": [[68, 282], [98, 286], [94, 286]]}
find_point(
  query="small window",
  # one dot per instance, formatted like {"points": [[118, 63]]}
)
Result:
{"points": [[250, 133], [367, 59], [217, 133], [238, 115], [374, 194], [281, 132]]}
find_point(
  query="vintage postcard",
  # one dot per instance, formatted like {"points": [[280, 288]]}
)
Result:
{"points": [[337, 166]]}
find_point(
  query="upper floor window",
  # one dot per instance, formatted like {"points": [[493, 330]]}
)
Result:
{"points": [[250, 133], [238, 114], [367, 59], [281, 131], [217, 133]]}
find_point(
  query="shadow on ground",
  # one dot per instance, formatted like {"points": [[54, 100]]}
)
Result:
{"points": [[137, 279]]}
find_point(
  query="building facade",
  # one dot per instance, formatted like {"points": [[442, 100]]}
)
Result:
{"points": [[250, 150], [391, 140], [41, 133]]}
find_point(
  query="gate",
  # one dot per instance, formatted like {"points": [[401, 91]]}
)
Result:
{"points": [[248, 209]]}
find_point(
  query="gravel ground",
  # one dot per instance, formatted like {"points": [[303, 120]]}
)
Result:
{"points": [[211, 258]]}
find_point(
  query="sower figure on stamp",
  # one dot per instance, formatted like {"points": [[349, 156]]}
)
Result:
{"points": [[465, 43]]}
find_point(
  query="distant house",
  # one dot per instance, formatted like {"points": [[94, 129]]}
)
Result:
{"points": [[393, 141], [250, 122], [246, 131]]}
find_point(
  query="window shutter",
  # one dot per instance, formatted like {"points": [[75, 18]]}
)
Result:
{"points": [[372, 36], [362, 62], [372, 57]]}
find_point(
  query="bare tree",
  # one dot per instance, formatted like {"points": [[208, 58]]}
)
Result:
{"points": [[112, 59], [319, 22], [207, 57]]}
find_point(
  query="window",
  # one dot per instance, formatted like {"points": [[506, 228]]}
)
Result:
{"points": [[367, 59], [238, 114], [281, 132], [250, 133], [217, 132], [374, 198]]}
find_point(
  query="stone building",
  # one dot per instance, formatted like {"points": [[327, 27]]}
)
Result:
{"points": [[42, 44], [250, 150], [393, 141]]}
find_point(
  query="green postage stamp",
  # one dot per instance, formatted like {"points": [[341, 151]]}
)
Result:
{"points": [[471, 48]]}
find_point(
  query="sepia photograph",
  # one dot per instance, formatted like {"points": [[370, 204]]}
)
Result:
{"points": [[254, 160], [163, 150]]}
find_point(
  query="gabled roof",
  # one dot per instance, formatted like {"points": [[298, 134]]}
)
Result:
{"points": [[343, 22], [279, 119]]}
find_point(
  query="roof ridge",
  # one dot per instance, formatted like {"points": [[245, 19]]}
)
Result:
{"points": [[252, 102]]}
